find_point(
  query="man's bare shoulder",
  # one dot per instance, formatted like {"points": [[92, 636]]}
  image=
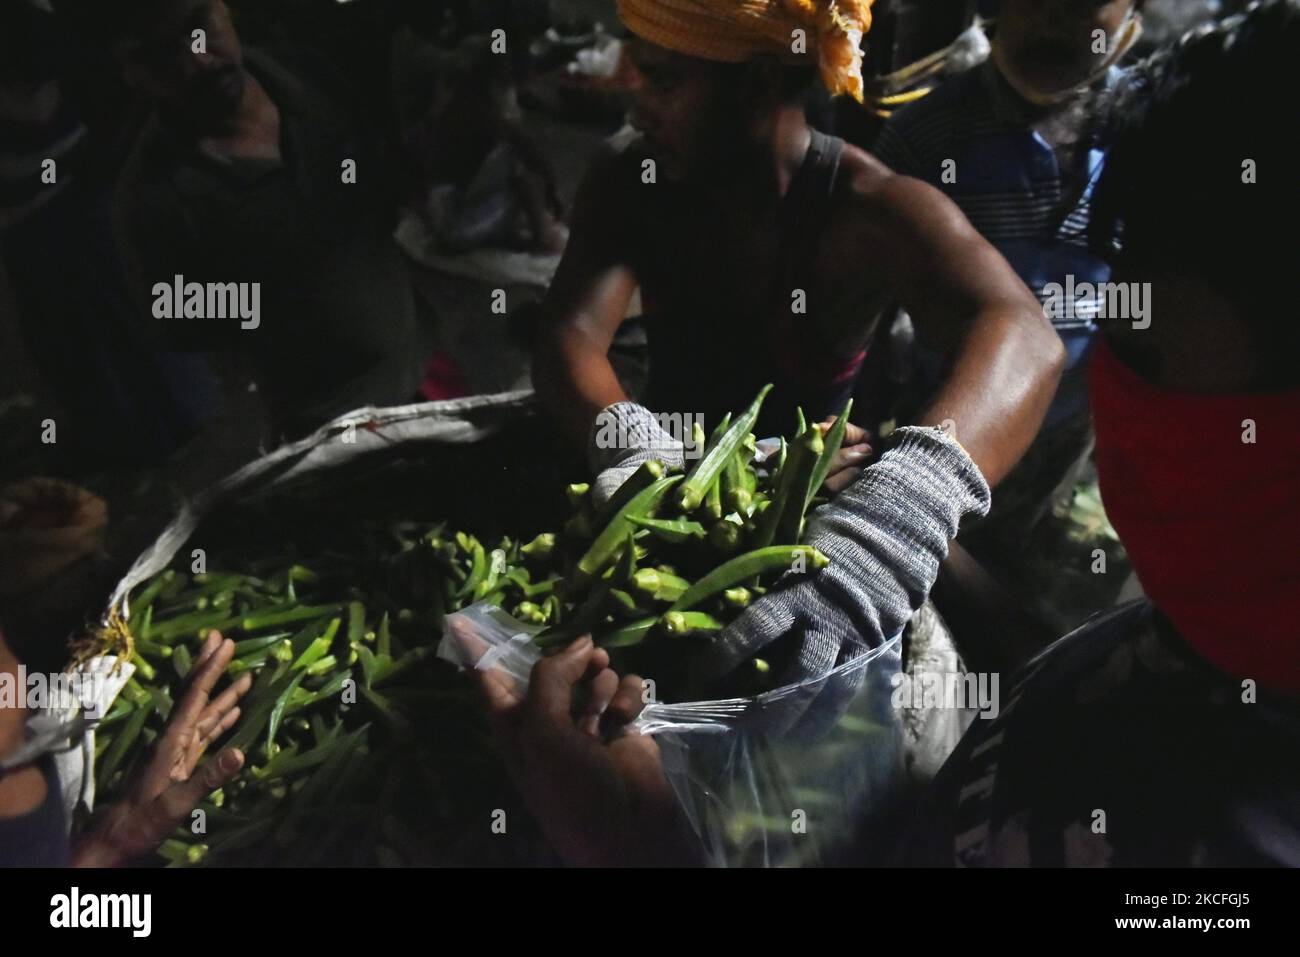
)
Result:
{"points": [[872, 196]]}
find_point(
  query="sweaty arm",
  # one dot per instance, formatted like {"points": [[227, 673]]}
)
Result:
{"points": [[887, 534], [1004, 360], [583, 310]]}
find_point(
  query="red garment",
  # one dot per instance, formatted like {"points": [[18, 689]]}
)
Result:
{"points": [[801, 358], [1209, 519]]}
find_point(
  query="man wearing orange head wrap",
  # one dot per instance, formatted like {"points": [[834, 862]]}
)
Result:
{"points": [[765, 250]]}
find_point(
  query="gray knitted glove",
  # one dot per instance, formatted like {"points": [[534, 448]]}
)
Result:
{"points": [[885, 536], [625, 436]]}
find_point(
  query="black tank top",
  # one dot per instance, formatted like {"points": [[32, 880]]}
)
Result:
{"points": [[708, 354]]}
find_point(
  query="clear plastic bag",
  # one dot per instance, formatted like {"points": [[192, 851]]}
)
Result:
{"points": [[809, 774], [484, 636]]}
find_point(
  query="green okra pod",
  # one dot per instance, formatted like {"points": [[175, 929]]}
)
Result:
{"points": [[627, 635], [716, 436], [287, 764], [623, 605], [356, 621], [737, 494], [798, 492], [750, 565], [182, 661], [252, 646], [162, 703], [712, 506], [277, 712], [145, 625], [135, 693], [478, 570], [540, 548], [323, 666], [121, 708], [542, 589], [726, 537], [146, 671], [197, 623], [283, 615], [739, 597], [261, 700], [596, 605], [701, 478], [530, 613], [179, 854], [151, 592], [328, 690], [698, 440], [122, 745], [319, 648], [780, 524], [674, 531], [681, 624], [520, 577], [645, 476], [369, 664], [659, 585], [834, 439], [782, 454], [496, 569], [615, 535]]}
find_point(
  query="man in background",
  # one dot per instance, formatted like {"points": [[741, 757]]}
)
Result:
{"points": [[1003, 141], [120, 401], [250, 171]]}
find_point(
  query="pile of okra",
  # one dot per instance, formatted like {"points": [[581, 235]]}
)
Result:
{"points": [[653, 573]]}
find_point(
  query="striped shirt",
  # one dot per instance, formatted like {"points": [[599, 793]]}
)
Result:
{"points": [[972, 139]]}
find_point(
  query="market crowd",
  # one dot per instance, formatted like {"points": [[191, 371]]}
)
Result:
{"points": [[1065, 256]]}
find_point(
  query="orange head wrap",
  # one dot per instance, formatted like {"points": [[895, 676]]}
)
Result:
{"points": [[732, 31]]}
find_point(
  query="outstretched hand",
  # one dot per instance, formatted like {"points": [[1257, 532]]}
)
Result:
{"points": [[171, 784]]}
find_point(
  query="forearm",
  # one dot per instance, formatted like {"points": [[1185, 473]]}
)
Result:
{"points": [[22, 789], [584, 308], [969, 305], [574, 378], [999, 387], [887, 534]]}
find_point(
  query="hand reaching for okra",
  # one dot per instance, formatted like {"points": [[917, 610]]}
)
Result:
{"points": [[849, 462], [596, 787], [167, 789], [884, 537]]}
